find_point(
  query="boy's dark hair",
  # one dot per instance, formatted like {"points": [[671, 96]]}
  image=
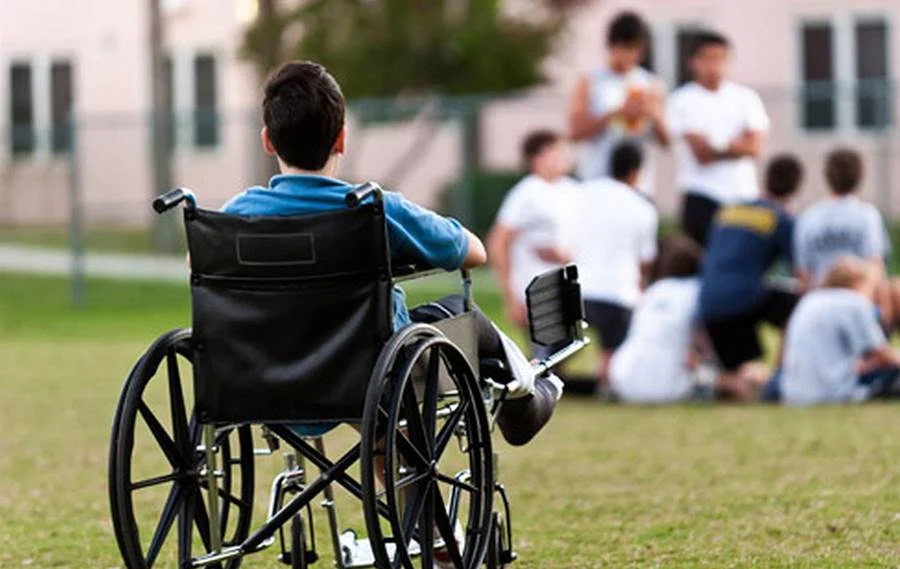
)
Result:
{"points": [[627, 28], [626, 158], [303, 110], [535, 143], [783, 175], [705, 38], [679, 257], [843, 170]]}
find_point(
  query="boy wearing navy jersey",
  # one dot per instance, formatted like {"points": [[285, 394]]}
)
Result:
{"points": [[746, 240]]}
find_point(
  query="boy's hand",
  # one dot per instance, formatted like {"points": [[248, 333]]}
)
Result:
{"points": [[554, 254], [701, 148]]}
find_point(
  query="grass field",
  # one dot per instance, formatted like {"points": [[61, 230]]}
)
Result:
{"points": [[603, 486]]}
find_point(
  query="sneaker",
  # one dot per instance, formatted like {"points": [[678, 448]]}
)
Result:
{"points": [[442, 558]]}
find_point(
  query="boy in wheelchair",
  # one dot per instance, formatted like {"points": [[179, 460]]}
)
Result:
{"points": [[303, 113]]}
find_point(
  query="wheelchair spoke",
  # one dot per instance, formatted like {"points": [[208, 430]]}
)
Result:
{"points": [[156, 481], [411, 516], [410, 480], [446, 530], [179, 413], [186, 527], [169, 513], [201, 520], [414, 420], [159, 433], [426, 530], [446, 434], [227, 496], [456, 483], [429, 402]]}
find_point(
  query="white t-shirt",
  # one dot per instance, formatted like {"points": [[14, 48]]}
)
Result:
{"points": [[608, 91], [614, 232], [721, 116], [538, 211], [650, 367]]}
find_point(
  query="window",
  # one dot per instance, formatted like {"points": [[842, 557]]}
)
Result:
{"points": [[206, 116], [21, 108], [873, 102], [684, 41], [61, 106], [819, 91]]}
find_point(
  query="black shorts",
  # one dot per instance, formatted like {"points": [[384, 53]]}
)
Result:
{"points": [[610, 320], [735, 339], [697, 215]]}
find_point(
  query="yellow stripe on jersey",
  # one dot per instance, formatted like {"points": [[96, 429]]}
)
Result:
{"points": [[761, 220]]}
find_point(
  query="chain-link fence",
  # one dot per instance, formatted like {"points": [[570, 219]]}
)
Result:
{"points": [[90, 191]]}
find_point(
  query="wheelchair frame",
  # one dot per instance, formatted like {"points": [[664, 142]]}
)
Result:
{"points": [[470, 419]]}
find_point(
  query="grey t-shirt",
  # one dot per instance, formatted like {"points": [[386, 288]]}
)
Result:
{"points": [[834, 228], [830, 330]]}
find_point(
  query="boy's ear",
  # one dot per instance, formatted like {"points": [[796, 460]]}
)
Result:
{"points": [[340, 142], [267, 142]]}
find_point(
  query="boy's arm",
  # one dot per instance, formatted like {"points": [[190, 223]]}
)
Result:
{"points": [[582, 123], [882, 356], [476, 255]]}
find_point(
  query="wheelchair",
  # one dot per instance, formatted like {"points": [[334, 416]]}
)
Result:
{"points": [[292, 333]]}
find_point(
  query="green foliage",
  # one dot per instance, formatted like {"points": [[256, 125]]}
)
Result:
{"points": [[487, 189], [388, 47]]}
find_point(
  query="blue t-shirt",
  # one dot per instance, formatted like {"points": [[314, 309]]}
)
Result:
{"points": [[414, 233], [745, 241]]}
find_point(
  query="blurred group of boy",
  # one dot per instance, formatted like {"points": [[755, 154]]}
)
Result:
{"points": [[680, 318]]}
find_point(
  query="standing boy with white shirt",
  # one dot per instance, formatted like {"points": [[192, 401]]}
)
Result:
{"points": [[615, 248], [529, 236], [621, 101], [719, 128]]}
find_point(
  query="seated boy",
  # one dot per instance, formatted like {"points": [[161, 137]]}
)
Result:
{"points": [[303, 113], [656, 362], [834, 350], [744, 243]]}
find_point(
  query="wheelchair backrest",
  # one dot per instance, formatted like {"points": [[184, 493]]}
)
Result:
{"points": [[289, 313]]}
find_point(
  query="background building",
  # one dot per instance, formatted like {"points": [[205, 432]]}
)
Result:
{"points": [[825, 69]]}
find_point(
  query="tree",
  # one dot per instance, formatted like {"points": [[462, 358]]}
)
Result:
{"points": [[385, 48], [391, 48]]}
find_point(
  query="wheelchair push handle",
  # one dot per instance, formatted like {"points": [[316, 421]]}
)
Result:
{"points": [[172, 198], [361, 193]]}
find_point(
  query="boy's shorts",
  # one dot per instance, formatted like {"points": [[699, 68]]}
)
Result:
{"points": [[610, 320], [735, 339]]}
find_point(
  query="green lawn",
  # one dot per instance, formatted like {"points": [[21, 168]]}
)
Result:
{"points": [[603, 486]]}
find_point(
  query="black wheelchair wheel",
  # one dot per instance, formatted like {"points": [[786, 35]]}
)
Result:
{"points": [[423, 397], [298, 543], [494, 558], [155, 466]]}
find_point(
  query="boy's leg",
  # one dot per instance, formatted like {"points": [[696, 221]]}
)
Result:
{"points": [[881, 382], [778, 305], [529, 407], [735, 342], [611, 321], [697, 215]]}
